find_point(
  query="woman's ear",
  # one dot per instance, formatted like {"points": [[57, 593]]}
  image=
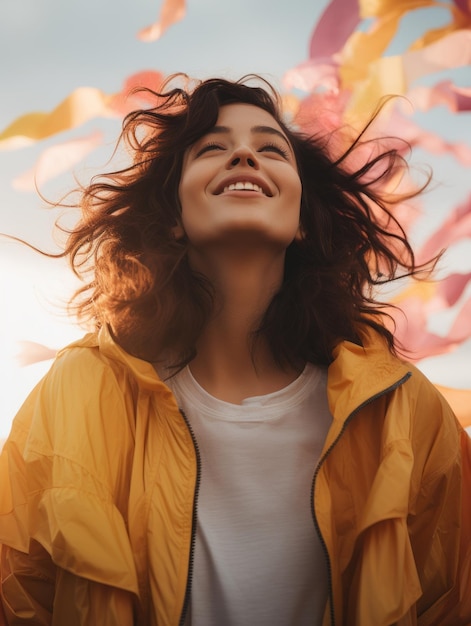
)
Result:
{"points": [[299, 236], [178, 232]]}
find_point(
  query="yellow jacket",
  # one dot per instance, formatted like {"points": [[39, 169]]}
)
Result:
{"points": [[99, 475]]}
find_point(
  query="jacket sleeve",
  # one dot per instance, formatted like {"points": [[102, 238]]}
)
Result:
{"points": [[27, 586], [35, 592], [64, 478], [440, 517]]}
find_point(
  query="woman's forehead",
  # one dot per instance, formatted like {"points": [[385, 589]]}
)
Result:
{"points": [[242, 113]]}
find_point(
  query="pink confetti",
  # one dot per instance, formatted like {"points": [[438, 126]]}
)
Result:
{"points": [[172, 11]]}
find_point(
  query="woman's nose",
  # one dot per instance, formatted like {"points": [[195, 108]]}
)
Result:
{"points": [[243, 156]]}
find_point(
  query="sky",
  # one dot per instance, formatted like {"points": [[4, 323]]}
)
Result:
{"points": [[50, 47]]}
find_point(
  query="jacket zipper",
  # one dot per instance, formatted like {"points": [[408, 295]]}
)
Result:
{"points": [[316, 473], [186, 600]]}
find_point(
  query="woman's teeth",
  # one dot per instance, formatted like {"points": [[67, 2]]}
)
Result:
{"points": [[243, 186]]}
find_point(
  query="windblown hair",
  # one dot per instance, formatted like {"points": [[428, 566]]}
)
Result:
{"points": [[136, 274]]}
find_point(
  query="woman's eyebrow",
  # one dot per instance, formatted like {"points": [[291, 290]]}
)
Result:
{"points": [[268, 130], [218, 130]]}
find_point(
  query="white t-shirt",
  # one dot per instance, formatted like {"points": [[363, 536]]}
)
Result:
{"points": [[258, 559]]}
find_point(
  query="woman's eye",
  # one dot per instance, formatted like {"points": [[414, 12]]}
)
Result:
{"points": [[273, 147], [208, 148]]}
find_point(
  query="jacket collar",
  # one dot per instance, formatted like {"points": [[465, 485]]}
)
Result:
{"points": [[143, 371], [357, 373], [361, 372]]}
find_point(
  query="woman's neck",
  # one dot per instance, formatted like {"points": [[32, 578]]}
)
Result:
{"points": [[229, 364]]}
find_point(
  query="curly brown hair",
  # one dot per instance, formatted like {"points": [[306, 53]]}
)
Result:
{"points": [[142, 285]]}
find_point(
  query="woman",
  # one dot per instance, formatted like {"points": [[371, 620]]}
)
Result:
{"points": [[237, 442]]}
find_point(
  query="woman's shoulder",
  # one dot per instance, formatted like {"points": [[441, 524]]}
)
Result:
{"points": [[424, 395], [72, 440], [79, 382], [435, 432], [82, 365], [96, 361], [77, 409]]}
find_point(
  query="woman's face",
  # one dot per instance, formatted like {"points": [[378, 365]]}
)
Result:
{"points": [[240, 183]]}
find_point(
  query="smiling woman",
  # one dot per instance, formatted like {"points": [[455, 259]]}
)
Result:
{"points": [[242, 185], [218, 450]]}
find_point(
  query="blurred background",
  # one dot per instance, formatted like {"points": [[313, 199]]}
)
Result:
{"points": [[87, 54]]}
